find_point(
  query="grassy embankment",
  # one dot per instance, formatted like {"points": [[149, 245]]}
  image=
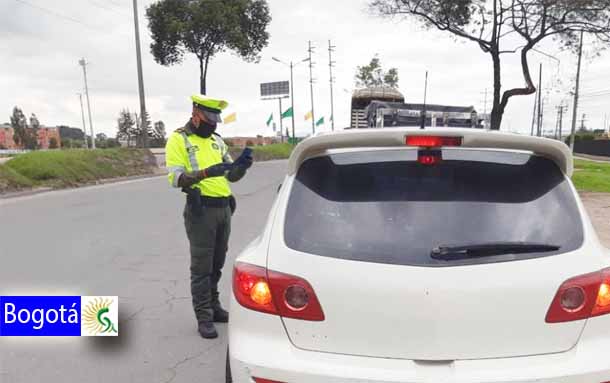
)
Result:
{"points": [[592, 176], [266, 153], [68, 168]]}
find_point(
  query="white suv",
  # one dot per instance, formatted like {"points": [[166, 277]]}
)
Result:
{"points": [[443, 255]]}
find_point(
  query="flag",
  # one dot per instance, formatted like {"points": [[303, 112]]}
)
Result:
{"points": [[287, 113], [230, 118], [308, 116], [320, 121], [270, 120]]}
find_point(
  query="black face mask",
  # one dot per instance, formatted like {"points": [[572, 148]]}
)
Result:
{"points": [[205, 129]]}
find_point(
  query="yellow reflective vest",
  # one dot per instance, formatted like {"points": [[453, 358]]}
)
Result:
{"points": [[187, 152]]}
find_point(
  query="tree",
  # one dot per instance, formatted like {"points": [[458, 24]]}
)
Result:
{"points": [[143, 126], [53, 143], [496, 24], [206, 28], [34, 123], [23, 135], [101, 141], [159, 131], [158, 135], [126, 126], [374, 75]]}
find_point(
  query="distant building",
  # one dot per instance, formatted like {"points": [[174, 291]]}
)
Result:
{"points": [[44, 137], [6, 137]]}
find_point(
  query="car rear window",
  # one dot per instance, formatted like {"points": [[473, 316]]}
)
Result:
{"points": [[382, 206]]}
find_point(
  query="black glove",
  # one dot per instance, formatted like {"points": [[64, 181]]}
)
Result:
{"points": [[217, 170], [245, 159]]}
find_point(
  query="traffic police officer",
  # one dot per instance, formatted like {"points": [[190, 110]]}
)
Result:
{"points": [[199, 164]]}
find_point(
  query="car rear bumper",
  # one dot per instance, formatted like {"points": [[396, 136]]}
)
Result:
{"points": [[272, 356]]}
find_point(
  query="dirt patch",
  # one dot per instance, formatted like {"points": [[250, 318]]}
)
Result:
{"points": [[598, 207]]}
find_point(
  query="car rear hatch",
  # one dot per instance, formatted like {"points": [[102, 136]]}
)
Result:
{"points": [[361, 227]]}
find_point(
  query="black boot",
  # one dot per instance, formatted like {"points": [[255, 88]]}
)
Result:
{"points": [[207, 330], [220, 315]]}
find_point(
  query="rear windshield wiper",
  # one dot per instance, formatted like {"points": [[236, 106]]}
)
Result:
{"points": [[451, 253]]}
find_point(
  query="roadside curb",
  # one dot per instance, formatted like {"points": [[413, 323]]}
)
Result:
{"points": [[30, 192], [591, 158]]}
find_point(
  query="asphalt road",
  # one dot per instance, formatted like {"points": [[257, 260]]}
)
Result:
{"points": [[128, 240]]}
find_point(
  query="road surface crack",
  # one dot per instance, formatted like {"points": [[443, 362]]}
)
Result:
{"points": [[174, 369]]}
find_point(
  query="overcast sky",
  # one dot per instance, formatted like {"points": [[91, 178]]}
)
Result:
{"points": [[39, 69]]}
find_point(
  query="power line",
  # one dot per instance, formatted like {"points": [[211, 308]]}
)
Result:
{"points": [[56, 14], [115, 3], [106, 8]]}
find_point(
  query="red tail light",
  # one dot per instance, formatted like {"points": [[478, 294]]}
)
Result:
{"points": [[582, 297], [433, 141], [275, 293], [261, 380]]}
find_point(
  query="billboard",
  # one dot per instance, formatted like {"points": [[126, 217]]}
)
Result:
{"points": [[275, 89]]}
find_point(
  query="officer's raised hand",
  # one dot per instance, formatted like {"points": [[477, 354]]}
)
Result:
{"points": [[245, 159]]}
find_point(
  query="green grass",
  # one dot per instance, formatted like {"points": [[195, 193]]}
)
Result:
{"points": [[10, 180], [591, 176], [268, 152], [65, 168]]}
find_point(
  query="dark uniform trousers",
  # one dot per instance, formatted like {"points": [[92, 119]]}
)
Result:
{"points": [[208, 236]]}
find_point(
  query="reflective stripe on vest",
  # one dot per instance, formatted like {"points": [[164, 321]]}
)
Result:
{"points": [[177, 172], [224, 150], [191, 153]]}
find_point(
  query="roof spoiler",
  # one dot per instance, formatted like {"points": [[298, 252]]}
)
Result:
{"points": [[554, 150]]}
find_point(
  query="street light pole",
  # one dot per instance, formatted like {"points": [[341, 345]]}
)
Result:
{"points": [[281, 118]]}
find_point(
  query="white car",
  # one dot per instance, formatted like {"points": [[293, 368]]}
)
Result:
{"points": [[437, 255]]}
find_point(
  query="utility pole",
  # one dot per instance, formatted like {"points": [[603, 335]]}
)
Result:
{"points": [[424, 112], [331, 64], [582, 122], [485, 110], [82, 113], [575, 112], [143, 113], [561, 108], [539, 102], [311, 63], [558, 122], [534, 112], [84, 63]]}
